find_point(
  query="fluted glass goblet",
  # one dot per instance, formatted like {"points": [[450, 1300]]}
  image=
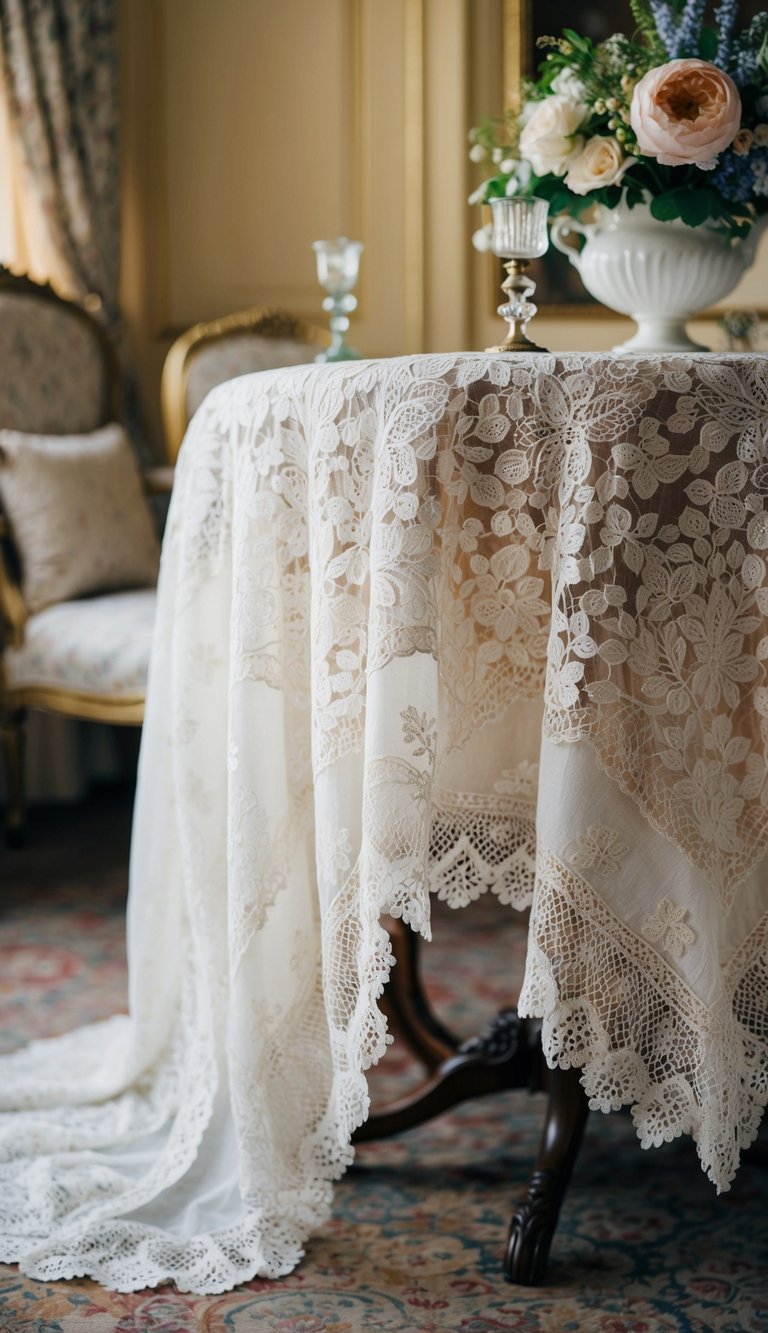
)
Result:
{"points": [[338, 264], [519, 235]]}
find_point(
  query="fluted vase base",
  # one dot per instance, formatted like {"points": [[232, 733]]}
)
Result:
{"points": [[661, 274], [656, 334]]}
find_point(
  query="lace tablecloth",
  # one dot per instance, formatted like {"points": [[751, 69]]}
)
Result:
{"points": [[374, 579]]}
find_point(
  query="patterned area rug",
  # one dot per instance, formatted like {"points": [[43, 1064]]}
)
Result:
{"points": [[415, 1244]]}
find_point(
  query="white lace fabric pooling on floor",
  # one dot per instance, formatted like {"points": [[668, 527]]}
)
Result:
{"points": [[372, 577]]}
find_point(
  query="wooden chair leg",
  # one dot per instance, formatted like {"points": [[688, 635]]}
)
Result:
{"points": [[12, 733], [535, 1218]]}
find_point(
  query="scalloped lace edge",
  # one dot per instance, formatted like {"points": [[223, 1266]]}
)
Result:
{"points": [[703, 1053]]}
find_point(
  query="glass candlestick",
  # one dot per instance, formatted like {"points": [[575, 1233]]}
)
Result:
{"points": [[519, 235], [338, 264]]}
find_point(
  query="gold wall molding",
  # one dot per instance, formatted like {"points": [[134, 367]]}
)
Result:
{"points": [[413, 162], [516, 42]]}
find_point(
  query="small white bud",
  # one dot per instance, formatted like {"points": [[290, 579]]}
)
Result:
{"points": [[477, 153]]}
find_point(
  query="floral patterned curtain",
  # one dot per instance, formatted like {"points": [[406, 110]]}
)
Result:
{"points": [[61, 74]]}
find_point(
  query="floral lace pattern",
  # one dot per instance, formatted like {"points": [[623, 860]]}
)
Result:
{"points": [[667, 925], [373, 573], [600, 849]]}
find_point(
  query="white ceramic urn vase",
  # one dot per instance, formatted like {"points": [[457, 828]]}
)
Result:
{"points": [[660, 273]]}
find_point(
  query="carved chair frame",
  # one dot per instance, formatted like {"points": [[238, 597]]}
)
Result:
{"points": [[265, 321]]}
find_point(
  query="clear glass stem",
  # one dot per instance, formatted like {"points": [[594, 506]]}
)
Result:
{"points": [[339, 307], [519, 309]]}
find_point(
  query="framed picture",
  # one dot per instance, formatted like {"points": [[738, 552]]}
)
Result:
{"points": [[558, 286]]}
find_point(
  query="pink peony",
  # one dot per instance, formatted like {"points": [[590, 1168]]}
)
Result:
{"points": [[685, 111]]}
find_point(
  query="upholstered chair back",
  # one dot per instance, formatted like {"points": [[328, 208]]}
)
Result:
{"points": [[239, 344], [56, 373], [239, 354]]}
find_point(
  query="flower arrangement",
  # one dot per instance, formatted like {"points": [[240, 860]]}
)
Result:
{"points": [[675, 116]]}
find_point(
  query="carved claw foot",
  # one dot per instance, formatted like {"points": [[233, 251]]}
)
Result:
{"points": [[535, 1217], [531, 1230]]}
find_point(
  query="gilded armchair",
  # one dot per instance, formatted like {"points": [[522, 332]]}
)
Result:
{"points": [[83, 656]]}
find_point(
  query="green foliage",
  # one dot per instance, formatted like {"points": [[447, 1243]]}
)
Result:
{"points": [[560, 199], [496, 187], [646, 31], [708, 43], [696, 206], [641, 13], [584, 45], [634, 196]]}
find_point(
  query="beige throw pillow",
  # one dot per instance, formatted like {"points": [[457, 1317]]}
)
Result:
{"points": [[77, 513]]}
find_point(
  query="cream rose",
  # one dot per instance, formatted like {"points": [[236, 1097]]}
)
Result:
{"points": [[549, 140], [686, 111], [601, 162]]}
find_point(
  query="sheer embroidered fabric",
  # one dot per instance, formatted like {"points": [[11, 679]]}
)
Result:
{"points": [[374, 577]]}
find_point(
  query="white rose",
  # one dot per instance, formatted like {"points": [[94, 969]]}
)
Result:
{"points": [[601, 162], [568, 84], [549, 140]]}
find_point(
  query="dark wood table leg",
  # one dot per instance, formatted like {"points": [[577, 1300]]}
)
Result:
{"points": [[535, 1217], [405, 1003], [506, 1056]]}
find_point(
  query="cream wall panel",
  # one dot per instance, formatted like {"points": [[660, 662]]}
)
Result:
{"points": [[379, 328], [447, 250], [258, 148]]}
